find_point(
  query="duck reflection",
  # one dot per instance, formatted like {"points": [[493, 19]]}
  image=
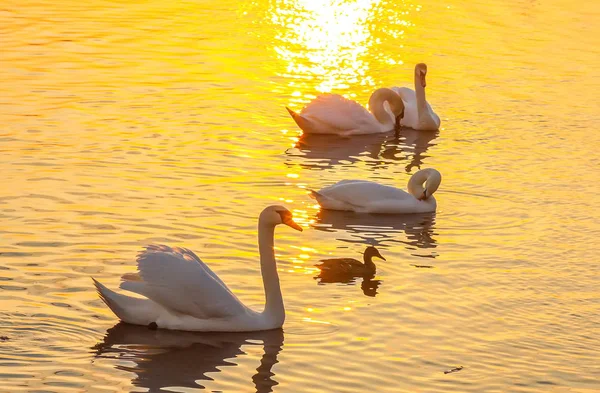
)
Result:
{"points": [[377, 229], [377, 150], [165, 358], [346, 270], [368, 285]]}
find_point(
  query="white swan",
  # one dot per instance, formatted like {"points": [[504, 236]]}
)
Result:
{"points": [[182, 293], [418, 114], [334, 114], [369, 197]]}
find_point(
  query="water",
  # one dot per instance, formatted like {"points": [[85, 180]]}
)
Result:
{"points": [[125, 124]]}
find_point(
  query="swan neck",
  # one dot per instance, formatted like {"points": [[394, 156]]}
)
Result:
{"points": [[268, 266], [381, 110], [430, 177], [420, 94]]}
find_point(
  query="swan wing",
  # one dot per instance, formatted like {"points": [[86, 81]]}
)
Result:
{"points": [[178, 280], [363, 193], [338, 112], [408, 95]]}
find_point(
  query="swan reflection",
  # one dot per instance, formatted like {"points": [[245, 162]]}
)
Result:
{"points": [[377, 150], [377, 229], [413, 145], [163, 358]]}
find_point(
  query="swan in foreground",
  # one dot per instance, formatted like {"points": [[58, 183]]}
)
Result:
{"points": [[369, 197], [350, 266], [418, 114], [334, 114], [182, 293]]}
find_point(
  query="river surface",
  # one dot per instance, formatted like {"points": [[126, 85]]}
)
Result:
{"points": [[129, 123]]}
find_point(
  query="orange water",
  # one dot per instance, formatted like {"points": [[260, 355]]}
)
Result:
{"points": [[128, 123]]}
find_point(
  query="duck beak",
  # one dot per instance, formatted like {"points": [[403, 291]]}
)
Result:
{"points": [[291, 223], [380, 256]]}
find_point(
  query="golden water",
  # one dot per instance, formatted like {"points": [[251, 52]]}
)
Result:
{"points": [[128, 123]]}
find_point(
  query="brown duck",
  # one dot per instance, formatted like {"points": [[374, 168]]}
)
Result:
{"points": [[350, 266]]}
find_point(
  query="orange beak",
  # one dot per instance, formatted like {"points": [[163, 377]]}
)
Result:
{"points": [[291, 223]]}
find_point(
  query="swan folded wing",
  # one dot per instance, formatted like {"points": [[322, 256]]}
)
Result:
{"points": [[407, 94], [361, 193], [338, 112], [178, 280]]}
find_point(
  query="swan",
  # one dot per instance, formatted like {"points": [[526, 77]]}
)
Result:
{"points": [[334, 114], [363, 196], [351, 266], [418, 114], [182, 293]]}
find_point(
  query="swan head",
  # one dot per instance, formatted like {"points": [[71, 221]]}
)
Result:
{"points": [[275, 215], [420, 73], [424, 183]]}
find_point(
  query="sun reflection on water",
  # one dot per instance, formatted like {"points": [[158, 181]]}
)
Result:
{"points": [[333, 38], [329, 45]]}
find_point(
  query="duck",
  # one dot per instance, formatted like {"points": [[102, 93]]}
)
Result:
{"points": [[335, 114], [180, 292], [418, 114], [362, 196], [350, 267]]}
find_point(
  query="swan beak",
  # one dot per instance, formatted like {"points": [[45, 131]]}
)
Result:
{"points": [[291, 223], [423, 81], [398, 119], [424, 196]]}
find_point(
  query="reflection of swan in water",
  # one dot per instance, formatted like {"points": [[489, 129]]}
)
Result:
{"points": [[377, 229], [378, 150], [325, 151], [412, 144], [166, 358]]}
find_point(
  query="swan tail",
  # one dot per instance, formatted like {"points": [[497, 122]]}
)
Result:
{"points": [[323, 200], [303, 123], [315, 195], [128, 309], [330, 203]]}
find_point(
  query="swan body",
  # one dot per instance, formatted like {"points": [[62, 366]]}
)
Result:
{"points": [[334, 114], [350, 266], [180, 292], [363, 196], [418, 114]]}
